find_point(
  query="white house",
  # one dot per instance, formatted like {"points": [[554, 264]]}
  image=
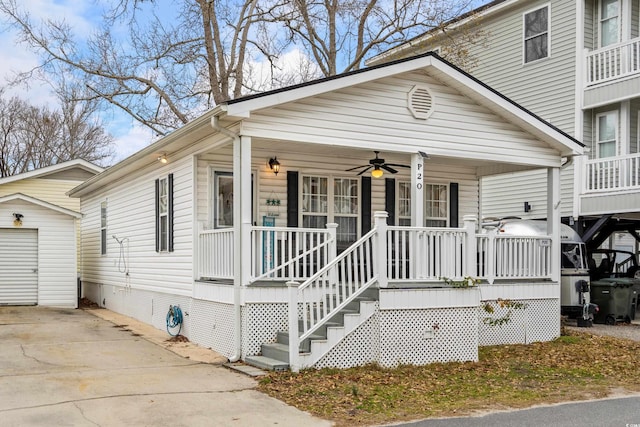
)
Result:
{"points": [[38, 235], [272, 213]]}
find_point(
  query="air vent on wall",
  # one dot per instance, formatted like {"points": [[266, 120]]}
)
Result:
{"points": [[420, 102]]}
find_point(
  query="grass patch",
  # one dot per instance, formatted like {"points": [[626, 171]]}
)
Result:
{"points": [[576, 366]]}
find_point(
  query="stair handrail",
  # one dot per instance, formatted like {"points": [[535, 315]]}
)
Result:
{"points": [[327, 278]]}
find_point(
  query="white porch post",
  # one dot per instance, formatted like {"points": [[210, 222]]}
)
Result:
{"points": [[471, 254], [294, 342], [332, 228], [380, 265], [417, 190], [553, 220], [242, 209]]}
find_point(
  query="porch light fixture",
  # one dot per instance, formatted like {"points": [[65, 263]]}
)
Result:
{"points": [[162, 158], [377, 172], [274, 165], [527, 207]]}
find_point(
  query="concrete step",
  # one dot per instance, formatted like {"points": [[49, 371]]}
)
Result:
{"points": [[305, 346], [276, 351], [268, 363]]}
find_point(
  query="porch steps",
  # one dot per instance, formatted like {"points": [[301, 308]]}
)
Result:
{"points": [[275, 356]]}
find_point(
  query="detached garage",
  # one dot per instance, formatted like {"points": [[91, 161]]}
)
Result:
{"points": [[38, 250]]}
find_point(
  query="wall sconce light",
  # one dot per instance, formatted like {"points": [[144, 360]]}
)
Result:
{"points": [[527, 207], [18, 219], [377, 172], [162, 158], [274, 165]]}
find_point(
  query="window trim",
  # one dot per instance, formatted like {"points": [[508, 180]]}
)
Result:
{"points": [[103, 227], [616, 130], [214, 219], [524, 31], [619, 24], [169, 215], [331, 214], [397, 201], [447, 219]]}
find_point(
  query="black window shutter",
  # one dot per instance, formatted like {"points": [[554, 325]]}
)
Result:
{"points": [[170, 213], [157, 202], [366, 205], [454, 207], [390, 199], [292, 198]]}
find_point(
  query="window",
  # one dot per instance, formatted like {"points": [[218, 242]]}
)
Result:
{"points": [[164, 214], [536, 34], [223, 201], [607, 134], [344, 209], [436, 209], [609, 22], [103, 228], [315, 207], [404, 203], [436, 204]]}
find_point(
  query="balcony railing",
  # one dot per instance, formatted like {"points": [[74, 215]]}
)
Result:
{"points": [[612, 173], [613, 62]]}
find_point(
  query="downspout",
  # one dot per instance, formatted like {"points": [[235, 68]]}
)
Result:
{"points": [[237, 312]]}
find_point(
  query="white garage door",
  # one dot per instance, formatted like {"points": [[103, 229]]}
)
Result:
{"points": [[18, 267]]}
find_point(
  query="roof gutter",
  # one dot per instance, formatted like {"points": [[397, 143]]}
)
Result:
{"points": [[237, 309]]}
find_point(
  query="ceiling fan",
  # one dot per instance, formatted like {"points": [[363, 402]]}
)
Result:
{"points": [[378, 165]]}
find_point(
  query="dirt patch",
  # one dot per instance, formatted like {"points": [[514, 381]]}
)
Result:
{"points": [[86, 304], [178, 338]]}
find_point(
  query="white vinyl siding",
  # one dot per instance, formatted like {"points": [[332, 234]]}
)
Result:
{"points": [[609, 22], [536, 34], [607, 134], [132, 216]]}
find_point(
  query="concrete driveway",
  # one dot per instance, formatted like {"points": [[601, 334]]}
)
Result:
{"points": [[68, 367]]}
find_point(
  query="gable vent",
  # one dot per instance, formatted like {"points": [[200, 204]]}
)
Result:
{"points": [[420, 102]]}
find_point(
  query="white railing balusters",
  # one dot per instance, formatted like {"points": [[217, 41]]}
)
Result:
{"points": [[613, 62], [612, 173]]}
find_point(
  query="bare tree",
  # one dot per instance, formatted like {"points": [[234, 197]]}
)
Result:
{"points": [[340, 34], [164, 71], [32, 137]]}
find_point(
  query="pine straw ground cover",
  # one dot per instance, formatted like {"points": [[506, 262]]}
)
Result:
{"points": [[576, 366]]}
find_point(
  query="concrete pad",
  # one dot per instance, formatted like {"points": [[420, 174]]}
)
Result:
{"points": [[68, 367]]}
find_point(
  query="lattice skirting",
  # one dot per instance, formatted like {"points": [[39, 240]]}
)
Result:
{"points": [[261, 323], [537, 320]]}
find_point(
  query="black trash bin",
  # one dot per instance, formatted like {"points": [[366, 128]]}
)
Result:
{"points": [[616, 298]]}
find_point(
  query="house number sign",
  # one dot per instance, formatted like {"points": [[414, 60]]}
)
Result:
{"points": [[419, 176]]}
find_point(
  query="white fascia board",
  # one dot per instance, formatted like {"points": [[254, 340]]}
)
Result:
{"points": [[71, 164], [143, 157], [568, 147], [419, 40], [41, 203], [243, 109]]}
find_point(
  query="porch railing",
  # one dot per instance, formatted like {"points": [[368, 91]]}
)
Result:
{"points": [[281, 253], [613, 62], [215, 253], [418, 253], [407, 254], [612, 173], [513, 257]]}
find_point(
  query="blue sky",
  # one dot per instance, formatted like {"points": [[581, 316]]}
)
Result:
{"points": [[82, 15]]}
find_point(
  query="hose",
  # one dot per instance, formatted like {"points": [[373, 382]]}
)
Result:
{"points": [[174, 319]]}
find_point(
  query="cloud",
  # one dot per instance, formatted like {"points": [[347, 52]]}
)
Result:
{"points": [[130, 140]]}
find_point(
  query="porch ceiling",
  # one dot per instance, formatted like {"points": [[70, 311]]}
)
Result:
{"points": [[361, 156]]}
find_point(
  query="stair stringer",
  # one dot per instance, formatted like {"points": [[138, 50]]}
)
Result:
{"points": [[337, 334]]}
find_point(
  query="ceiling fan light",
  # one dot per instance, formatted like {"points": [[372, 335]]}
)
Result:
{"points": [[377, 172]]}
